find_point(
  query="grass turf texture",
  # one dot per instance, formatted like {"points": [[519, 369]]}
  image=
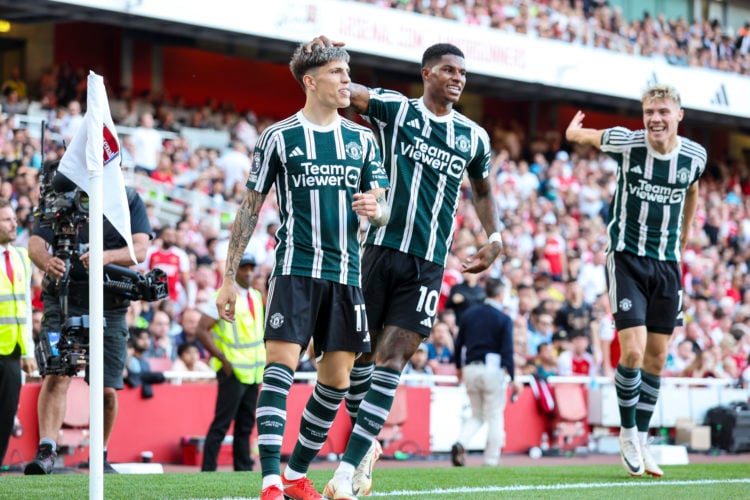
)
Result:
{"points": [[699, 481]]}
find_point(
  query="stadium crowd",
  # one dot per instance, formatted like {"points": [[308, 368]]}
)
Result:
{"points": [[595, 23], [553, 200]]}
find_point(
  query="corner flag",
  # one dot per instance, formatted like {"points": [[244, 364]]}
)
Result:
{"points": [[84, 154]]}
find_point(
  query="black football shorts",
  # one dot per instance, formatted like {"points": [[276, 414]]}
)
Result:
{"points": [[400, 289], [644, 292], [332, 314]]}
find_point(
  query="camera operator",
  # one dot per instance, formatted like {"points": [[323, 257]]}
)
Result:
{"points": [[52, 398]]}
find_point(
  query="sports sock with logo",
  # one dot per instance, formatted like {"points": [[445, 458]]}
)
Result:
{"points": [[628, 388], [317, 418], [649, 394], [271, 416], [372, 413]]}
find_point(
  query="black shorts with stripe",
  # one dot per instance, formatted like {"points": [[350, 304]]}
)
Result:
{"points": [[332, 314], [400, 289], [644, 292]]}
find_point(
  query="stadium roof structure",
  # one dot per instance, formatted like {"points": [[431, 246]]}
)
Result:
{"points": [[508, 66]]}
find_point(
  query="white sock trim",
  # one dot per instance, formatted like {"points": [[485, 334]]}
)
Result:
{"points": [[630, 433], [643, 437], [345, 471], [292, 474], [270, 480]]}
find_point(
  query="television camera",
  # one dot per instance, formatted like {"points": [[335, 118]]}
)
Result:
{"points": [[64, 208]]}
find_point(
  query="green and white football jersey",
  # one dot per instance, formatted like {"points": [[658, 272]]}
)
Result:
{"points": [[426, 157], [317, 170], [647, 208]]}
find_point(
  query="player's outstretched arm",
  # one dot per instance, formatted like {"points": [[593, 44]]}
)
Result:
{"points": [[484, 203], [580, 135], [242, 229]]}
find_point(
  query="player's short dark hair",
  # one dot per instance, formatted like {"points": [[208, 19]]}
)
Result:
{"points": [[437, 51], [302, 62]]}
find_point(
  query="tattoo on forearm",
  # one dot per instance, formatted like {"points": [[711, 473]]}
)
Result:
{"points": [[244, 225]]}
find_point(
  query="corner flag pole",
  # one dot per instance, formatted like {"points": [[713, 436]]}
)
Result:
{"points": [[95, 166], [92, 159]]}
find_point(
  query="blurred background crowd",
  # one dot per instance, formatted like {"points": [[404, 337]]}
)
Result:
{"points": [[553, 199], [595, 23]]}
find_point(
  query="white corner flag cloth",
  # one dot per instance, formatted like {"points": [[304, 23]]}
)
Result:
{"points": [[95, 147]]}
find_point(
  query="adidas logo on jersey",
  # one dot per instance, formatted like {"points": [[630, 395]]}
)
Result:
{"points": [[426, 322], [637, 169], [413, 123], [296, 152]]}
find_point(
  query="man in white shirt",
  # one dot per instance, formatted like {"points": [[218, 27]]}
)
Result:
{"points": [[71, 121], [236, 165], [147, 144]]}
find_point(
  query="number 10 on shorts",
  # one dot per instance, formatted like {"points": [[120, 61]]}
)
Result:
{"points": [[428, 301]]}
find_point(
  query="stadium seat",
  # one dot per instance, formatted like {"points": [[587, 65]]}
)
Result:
{"points": [[571, 414], [159, 364], [74, 433]]}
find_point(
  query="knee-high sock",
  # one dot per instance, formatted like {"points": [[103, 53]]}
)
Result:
{"points": [[372, 414], [359, 384], [649, 394], [271, 416], [316, 420], [628, 388]]}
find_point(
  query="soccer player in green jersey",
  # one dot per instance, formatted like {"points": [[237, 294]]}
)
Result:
{"points": [[428, 148], [327, 171], [651, 213]]}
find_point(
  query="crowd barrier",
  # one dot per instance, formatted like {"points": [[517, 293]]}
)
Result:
{"points": [[427, 420]]}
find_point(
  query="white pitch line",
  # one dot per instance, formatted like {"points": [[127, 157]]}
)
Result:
{"points": [[548, 487], [554, 487]]}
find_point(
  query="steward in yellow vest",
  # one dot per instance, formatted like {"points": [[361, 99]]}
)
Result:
{"points": [[238, 355], [16, 343], [241, 342], [15, 310]]}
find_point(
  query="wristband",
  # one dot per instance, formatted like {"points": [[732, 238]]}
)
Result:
{"points": [[379, 213], [495, 238]]}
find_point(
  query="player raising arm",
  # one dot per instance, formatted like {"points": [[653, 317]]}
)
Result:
{"points": [[650, 218]]}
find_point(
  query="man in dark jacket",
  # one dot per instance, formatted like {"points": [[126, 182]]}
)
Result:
{"points": [[484, 358]]}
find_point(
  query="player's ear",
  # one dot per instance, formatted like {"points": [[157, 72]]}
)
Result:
{"points": [[309, 81]]}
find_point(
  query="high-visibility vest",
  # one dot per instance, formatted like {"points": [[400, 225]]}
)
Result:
{"points": [[242, 341], [14, 329]]}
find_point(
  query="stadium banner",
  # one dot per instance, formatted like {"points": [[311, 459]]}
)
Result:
{"points": [[403, 36]]}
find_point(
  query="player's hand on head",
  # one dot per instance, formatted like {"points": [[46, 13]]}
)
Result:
{"points": [[322, 41]]}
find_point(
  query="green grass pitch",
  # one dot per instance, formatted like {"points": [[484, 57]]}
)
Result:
{"points": [[697, 481]]}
